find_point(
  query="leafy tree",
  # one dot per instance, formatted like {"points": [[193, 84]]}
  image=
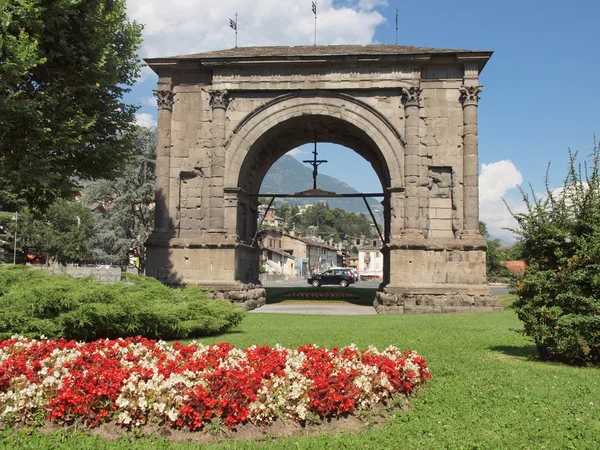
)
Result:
{"points": [[321, 219], [493, 255], [128, 202], [559, 295], [64, 68], [63, 233], [512, 253], [7, 230]]}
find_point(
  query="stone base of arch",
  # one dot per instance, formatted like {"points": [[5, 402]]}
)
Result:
{"points": [[450, 299], [436, 276], [423, 276], [227, 269]]}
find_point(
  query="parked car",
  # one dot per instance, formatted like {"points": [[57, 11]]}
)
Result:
{"points": [[342, 277], [349, 269]]}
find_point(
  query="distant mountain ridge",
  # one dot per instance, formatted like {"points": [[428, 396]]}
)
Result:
{"points": [[288, 176]]}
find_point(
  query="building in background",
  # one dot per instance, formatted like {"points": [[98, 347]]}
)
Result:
{"points": [[288, 254], [370, 260]]}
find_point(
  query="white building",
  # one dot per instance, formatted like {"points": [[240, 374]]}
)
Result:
{"points": [[370, 262]]}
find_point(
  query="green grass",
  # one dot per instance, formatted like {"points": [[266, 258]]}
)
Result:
{"points": [[488, 391], [277, 295]]}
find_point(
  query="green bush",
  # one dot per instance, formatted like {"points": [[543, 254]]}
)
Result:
{"points": [[33, 303], [559, 295]]}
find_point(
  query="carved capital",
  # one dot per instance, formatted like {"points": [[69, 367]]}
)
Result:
{"points": [[219, 99], [411, 96], [469, 95], [164, 99]]}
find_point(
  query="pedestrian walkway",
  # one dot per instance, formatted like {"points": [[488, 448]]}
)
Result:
{"points": [[309, 308]]}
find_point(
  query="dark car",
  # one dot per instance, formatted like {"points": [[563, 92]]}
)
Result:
{"points": [[332, 276], [349, 269]]}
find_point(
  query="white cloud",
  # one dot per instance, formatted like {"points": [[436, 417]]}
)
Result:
{"points": [[145, 120], [192, 26], [149, 101], [146, 74], [499, 180], [370, 4], [296, 152]]}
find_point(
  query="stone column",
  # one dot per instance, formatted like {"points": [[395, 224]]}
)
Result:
{"points": [[469, 97], [233, 202], [219, 101], [395, 205], [411, 97], [163, 223]]}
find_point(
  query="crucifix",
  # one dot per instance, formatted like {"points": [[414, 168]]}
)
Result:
{"points": [[315, 163]]}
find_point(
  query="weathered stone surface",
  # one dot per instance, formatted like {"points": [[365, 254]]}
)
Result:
{"points": [[406, 303], [411, 112]]}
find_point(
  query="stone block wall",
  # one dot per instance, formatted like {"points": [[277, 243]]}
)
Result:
{"points": [[105, 274]]}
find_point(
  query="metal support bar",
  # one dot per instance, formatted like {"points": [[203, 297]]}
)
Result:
{"points": [[262, 220], [320, 195], [374, 221]]}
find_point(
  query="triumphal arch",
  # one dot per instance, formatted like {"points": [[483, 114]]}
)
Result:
{"points": [[226, 116]]}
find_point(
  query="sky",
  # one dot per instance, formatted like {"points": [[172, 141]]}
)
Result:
{"points": [[541, 92]]}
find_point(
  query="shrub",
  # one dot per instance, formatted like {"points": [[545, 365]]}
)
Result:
{"points": [[34, 303], [559, 295]]}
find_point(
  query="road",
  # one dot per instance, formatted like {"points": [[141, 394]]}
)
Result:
{"points": [[372, 284]]}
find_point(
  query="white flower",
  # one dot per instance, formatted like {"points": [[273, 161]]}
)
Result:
{"points": [[172, 414]]}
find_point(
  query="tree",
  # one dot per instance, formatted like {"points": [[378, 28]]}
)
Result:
{"points": [[64, 68], [559, 295], [493, 254], [128, 202], [7, 232], [63, 234], [320, 219], [512, 253]]}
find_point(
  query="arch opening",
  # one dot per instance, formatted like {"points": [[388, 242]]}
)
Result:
{"points": [[303, 235], [297, 131]]}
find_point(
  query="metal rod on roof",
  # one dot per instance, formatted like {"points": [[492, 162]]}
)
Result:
{"points": [[396, 26], [234, 25], [314, 10]]}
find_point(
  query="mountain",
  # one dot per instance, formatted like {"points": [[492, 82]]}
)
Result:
{"points": [[288, 175]]}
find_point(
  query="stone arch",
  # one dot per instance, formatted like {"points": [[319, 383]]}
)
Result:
{"points": [[342, 119], [216, 144]]}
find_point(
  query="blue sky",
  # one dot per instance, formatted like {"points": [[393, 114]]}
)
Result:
{"points": [[541, 87]]}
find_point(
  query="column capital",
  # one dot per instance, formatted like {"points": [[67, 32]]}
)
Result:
{"points": [[469, 95], [411, 96], [219, 99], [164, 99]]}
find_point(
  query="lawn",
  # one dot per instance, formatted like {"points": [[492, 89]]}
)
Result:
{"points": [[487, 391]]}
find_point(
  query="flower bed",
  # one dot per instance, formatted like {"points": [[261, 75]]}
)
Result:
{"points": [[133, 381], [321, 295]]}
